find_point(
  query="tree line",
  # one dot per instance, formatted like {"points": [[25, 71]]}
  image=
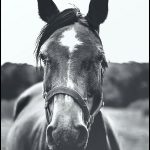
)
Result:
{"points": [[123, 83]]}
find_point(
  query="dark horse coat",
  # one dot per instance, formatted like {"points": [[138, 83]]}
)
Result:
{"points": [[29, 129]]}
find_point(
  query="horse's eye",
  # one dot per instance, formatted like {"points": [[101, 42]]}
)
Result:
{"points": [[46, 62], [44, 59]]}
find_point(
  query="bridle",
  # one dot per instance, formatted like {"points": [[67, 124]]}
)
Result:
{"points": [[88, 118]]}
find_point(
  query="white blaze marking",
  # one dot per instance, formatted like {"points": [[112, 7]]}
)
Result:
{"points": [[70, 40]]}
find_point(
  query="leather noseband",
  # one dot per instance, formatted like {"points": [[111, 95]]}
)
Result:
{"points": [[89, 119]]}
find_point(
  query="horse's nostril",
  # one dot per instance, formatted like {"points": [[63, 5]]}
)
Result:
{"points": [[50, 138], [83, 135]]}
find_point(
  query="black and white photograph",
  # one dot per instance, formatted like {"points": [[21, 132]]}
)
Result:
{"points": [[75, 75]]}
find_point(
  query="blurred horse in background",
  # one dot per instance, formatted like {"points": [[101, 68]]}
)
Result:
{"points": [[72, 53]]}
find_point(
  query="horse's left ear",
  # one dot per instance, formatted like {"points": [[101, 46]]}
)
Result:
{"points": [[98, 10], [47, 9]]}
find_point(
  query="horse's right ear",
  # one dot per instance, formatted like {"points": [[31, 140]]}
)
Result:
{"points": [[47, 9]]}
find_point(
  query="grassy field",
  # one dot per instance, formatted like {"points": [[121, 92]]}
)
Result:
{"points": [[6, 120], [131, 126]]}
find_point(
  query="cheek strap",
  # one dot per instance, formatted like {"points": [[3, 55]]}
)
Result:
{"points": [[93, 115]]}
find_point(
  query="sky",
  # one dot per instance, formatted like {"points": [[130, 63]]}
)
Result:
{"points": [[125, 33]]}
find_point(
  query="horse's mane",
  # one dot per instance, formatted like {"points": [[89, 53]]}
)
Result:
{"points": [[20, 105], [26, 97]]}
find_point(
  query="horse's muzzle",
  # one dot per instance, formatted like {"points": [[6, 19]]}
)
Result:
{"points": [[67, 138]]}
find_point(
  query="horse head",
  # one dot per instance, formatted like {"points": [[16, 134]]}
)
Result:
{"points": [[74, 62]]}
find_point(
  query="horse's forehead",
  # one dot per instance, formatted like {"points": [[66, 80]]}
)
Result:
{"points": [[71, 38]]}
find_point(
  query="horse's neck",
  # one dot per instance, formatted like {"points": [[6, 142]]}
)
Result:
{"points": [[97, 138]]}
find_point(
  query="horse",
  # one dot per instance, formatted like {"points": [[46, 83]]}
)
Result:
{"points": [[64, 111]]}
